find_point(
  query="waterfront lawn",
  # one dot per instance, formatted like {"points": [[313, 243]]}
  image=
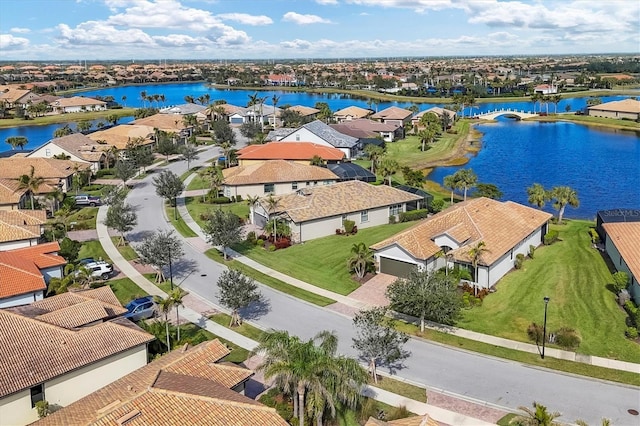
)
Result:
{"points": [[575, 277], [196, 207], [65, 118], [594, 121], [323, 261]]}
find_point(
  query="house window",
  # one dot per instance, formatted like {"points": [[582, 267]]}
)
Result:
{"points": [[315, 182], [395, 210], [327, 182], [47, 152], [37, 394], [269, 188], [364, 216], [297, 138], [227, 191], [294, 185]]}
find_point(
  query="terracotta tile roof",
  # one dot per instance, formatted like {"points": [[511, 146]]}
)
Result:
{"points": [[304, 110], [164, 397], [501, 225], [275, 171], [289, 151], [204, 365], [10, 192], [370, 128], [48, 168], [35, 351], [352, 111], [76, 315], [13, 94], [103, 295], [392, 113], [626, 105], [165, 122], [435, 110], [339, 198], [81, 146], [18, 276], [16, 225], [425, 420], [626, 238], [76, 101], [118, 136], [43, 255]]}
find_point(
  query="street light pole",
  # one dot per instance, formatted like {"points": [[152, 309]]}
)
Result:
{"points": [[544, 328], [171, 269]]}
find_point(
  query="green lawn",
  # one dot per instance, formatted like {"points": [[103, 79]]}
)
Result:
{"points": [[84, 218], [245, 329], [197, 183], [270, 281], [574, 276], [323, 261], [66, 118], [179, 224], [591, 121], [126, 251], [196, 207], [94, 249], [126, 290]]}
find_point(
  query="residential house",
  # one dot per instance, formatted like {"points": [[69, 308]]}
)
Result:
{"points": [[77, 147], [320, 133], [263, 113], [422, 420], [77, 104], [14, 96], [545, 89], [56, 173], [625, 109], [506, 228], [169, 123], [314, 212], [281, 80], [351, 113], [273, 177], [394, 115], [299, 152], [25, 273], [21, 228], [188, 386], [11, 196], [415, 120], [278, 134], [198, 111], [63, 348], [620, 232], [363, 128], [305, 111], [235, 115], [120, 136]]}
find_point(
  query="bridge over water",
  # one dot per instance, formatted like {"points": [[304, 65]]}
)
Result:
{"points": [[492, 115]]}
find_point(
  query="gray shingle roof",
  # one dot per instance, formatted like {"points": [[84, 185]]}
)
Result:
{"points": [[330, 134]]}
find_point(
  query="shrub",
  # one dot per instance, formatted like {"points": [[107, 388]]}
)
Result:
{"points": [[233, 198], [348, 225], [620, 281], [436, 206], [93, 187], [519, 261], [413, 215], [595, 238], [481, 293], [551, 237], [105, 172], [220, 200], [260, 243], [532, 250], [282, 243], [272, 247], [251, 237], [392, 220], [567, 338], [631, 332], [42, 407], [535, 331], [238, 198], [396, 413]]}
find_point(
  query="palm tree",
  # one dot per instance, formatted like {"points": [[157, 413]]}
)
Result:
{"points": [[17, 141], [361, 259], [475, 254], [388, 168], [31, 183], [143, 96], [274, 101], [165, 305], [539, 416], [465, 179], [124, 100], [317, 161], [272, 206], [563, 195], [176, 297], [538, 196], [189, 99], [374, 152], [252, 201]]}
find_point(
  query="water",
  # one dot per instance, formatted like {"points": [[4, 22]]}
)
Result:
{"points": [[602, 166]]}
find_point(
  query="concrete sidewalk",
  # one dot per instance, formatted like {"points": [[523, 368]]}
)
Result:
{"points": [[348, 301]]}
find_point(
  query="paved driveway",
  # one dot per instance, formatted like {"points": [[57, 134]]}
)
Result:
{"points": [[373, 291]]}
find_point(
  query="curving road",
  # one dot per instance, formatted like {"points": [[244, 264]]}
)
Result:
{"points": [[474, 376]]}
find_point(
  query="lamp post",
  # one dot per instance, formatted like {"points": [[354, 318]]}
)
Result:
{"points": [[544, 327], [171, 269]]}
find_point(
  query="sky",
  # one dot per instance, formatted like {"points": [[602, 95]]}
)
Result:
{"points": [[304, 29]]}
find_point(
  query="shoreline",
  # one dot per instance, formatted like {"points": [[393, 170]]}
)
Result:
{"points": [[629, 126], [66, 118]]}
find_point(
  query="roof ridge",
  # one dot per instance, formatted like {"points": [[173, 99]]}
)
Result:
{"points": [[39, 323], [21, 270], [239, 404]]}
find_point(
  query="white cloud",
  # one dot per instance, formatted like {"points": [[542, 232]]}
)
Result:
{"points": [[9, 42], [246, 19], [325, 2], [20, 30], [181, 40], [299, 19], [92, 33]]}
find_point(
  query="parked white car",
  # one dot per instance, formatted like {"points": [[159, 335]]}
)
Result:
{"points": [[99, 269]]}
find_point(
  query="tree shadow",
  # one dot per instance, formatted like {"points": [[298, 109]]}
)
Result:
{"points": [[137, 237], [182, 268], [256, 310]]}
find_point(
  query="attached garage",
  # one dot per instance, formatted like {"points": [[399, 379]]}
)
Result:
{"points": [[395, 267], [259, 220]]}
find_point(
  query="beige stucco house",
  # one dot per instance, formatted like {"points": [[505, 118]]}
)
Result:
{"points": [[77, 104], [627, 108], [622, 244], [315, 212], [12, 197], [21, 228], [63, 348], [506, 228], [299, 152], [77, 147]]}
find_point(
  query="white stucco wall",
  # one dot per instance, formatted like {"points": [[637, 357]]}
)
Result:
{"points": [[50, 150], [87, 108], [503, 265], [10, 245], [446, 241], [327, 226], [620, 265], [16, 409], [279, 188], [304, 135], [53, 272], [22, 299]]}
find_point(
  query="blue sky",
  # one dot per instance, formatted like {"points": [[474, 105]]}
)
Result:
{"points": [[273, 29]]}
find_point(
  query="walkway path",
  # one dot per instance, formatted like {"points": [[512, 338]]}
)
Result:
{"points": [[359, 304]]}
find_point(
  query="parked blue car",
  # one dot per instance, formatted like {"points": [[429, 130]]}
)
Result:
{"points": [[141, 308]]}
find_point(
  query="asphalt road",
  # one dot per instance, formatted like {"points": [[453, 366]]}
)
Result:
{"points": [[478, 377]]}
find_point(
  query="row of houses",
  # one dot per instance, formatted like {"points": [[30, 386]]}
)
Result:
{"points": [[13, 96]]}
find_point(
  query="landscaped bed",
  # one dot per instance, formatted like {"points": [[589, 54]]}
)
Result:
{"points": [[574, 276]]}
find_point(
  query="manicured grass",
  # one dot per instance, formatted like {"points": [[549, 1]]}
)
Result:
{"points": [[179, 223], [65, 118], [196, 207], [591, 121], [575, 277], [323, 261], [401, 388], [126, 251], [270, 281], [126, 290], [245, 329], [85, 218], [524, 357], [197, 183], [93, 249], [188, 173], [506, 420]]}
